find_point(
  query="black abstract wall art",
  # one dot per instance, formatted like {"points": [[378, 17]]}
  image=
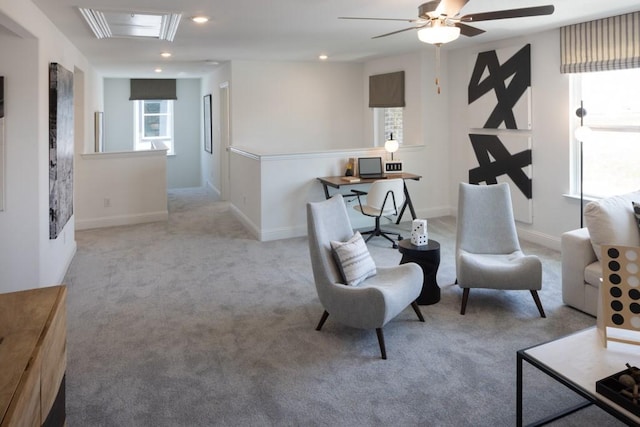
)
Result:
{"points": [[499, 93], [499, 98], [60, 148]]}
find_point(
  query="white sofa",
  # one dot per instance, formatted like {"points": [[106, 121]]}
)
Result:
{"points": [[608, 221]]}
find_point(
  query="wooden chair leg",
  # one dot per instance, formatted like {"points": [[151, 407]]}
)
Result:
{"points": [[416, 308], [465, 297], [322, 320], [381, 342], [536, 298]]}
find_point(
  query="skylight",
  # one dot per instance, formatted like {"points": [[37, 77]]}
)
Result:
{"points": [[110, 24]]}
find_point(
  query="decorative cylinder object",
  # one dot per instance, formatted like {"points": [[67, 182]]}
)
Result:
{"points": [[419, 235]]}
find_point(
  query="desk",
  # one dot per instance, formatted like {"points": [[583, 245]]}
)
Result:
{"points": [[337, 182], [578, 361]]}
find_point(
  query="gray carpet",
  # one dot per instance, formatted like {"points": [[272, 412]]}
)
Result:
{"points": [[194, 323]]}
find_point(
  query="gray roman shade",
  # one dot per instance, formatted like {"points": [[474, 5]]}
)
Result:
{"points": [[152, 89], [601, 45], [386, 90]]}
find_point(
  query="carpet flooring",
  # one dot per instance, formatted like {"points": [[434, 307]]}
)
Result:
{"points": [[192, 322]]}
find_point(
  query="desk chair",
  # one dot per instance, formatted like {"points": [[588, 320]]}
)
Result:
{"points": [[385, 197]]}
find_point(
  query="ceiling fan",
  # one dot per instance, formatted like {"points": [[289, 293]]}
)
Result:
{"points": [[439, 22]]}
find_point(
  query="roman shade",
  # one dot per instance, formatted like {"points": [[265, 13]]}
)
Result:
{"points": [[601, 45], [152, 89], [386, 90]]}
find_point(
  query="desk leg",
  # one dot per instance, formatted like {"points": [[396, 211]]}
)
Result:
{"points": [[326, 191], [407, 202]]}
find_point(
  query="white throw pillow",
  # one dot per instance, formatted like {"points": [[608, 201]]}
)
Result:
{"points": [[353, 259], [611, 221]]}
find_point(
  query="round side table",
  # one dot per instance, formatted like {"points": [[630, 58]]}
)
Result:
{"points": [[428, 258]]}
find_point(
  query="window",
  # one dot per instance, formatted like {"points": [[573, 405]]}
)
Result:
{"points": [[611, 153], [388, 121], [153, 125]]}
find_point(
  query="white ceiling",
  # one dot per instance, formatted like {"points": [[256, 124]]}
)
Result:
{"points": [[295, 30]]}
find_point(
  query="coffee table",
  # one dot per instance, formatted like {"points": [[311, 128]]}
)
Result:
{"points": [[428, 258], [578, 361]]}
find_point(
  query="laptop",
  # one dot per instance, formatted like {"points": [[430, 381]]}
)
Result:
{"points": [[370, 168]]}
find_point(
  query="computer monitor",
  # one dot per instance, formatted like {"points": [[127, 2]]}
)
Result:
{"points": [[370, 167]]}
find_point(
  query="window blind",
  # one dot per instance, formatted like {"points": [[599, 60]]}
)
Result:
{"points": [[386, 90], [601, 45], [152, 89]]}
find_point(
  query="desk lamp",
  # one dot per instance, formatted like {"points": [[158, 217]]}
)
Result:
{"points": [[391, 145]]}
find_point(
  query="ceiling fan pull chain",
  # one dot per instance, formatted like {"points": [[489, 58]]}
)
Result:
{"points": [[438, 68]]}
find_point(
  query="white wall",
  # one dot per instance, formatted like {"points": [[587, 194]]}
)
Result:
{"points": [[212, 163], [28, 258], [121, 188], [118, 116], [552, 212], [297, 106], [183, 168]]}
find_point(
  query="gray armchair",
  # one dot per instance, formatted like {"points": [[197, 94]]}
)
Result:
{"points": [[488, 253], [372, 303]]}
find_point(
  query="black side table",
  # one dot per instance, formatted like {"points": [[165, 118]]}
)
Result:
{"points": [[427, 257]]}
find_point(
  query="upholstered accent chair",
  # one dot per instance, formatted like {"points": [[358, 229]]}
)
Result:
{"points": [[373, 302], [488, 253], [385, 197]]}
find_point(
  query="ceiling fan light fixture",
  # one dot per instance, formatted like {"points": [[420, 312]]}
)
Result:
{"points": [[438, 34]]}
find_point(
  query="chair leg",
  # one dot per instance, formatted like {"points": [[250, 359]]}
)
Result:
{"points": [[381, 342], [416, 308], [322, 320], [536, 298], [465, 297]]}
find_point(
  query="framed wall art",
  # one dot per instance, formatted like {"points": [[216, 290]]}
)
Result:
{"points": [[2, 150], [208, 129], [60, 148]]}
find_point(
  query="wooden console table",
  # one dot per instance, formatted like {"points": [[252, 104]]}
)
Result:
{"points": [[33, 357]]}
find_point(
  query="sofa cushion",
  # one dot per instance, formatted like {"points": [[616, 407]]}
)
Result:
{"points": [[612, 221], [593, 274]]}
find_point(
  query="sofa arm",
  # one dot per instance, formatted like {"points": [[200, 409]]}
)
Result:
{"points": [[576, 254]]}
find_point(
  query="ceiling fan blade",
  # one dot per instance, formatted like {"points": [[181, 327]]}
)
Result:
{"points": [[396, 32], [509, 13], [377, 19], [468, 30], [451, 7]]}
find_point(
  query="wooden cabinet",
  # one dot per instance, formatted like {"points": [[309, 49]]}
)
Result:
{"points": [[33, 357]]}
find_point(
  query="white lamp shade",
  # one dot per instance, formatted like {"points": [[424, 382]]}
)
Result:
{"points": [[438, 34], [391, 146], [583, 133]]}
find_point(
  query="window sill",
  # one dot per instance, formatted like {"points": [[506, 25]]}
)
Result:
{"points": [[584, 198]]}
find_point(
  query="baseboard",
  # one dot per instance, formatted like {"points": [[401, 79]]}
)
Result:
{"points": [[113, 221], [214, 189], [253, 229], [542, 239]]}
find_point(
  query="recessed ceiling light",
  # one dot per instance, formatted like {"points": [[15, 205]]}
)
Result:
{"points": [[323, 57], [200, 19], [165, 54], [158, 70]]}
